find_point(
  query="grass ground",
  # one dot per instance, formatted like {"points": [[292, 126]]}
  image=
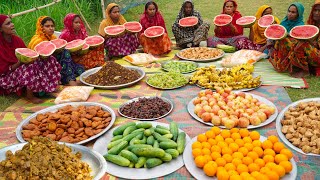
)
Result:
{"points": [[208, 10]]}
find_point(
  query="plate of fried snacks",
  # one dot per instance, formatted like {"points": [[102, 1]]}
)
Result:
{"points": [[76, 122], [112, 76], [42, 158], [201, 54]]}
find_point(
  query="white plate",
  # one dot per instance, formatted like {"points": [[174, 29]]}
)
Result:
{"points": [[202, 60], [147, 81], [279, 126], [186, 72], [152, 119], [191, 107], [142, 173], [96, 162], [94, 70], [74, 104], [199, 174]]}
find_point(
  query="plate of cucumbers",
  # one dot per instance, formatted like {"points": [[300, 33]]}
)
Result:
{"points": [[143, 150]]}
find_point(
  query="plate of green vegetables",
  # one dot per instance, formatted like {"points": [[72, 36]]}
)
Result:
{"points": [[179, 66], [167, 80]]}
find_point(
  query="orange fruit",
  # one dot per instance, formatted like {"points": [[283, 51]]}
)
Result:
{"points": [[237, 155], [273, 175], [200, 161], [263, 177], [243, 150], [264, 170], [244, 132], [242, 168], [273, 139], [208, 157], [254, 135], [206, 151], [221, 162], [267, 144], [286, 152], [202, 138], [286, 165], [255, 174], [240, 142], [270, 165], [222, 144], [245, 175], [278, 146], [247, 140], [206, 145], [260, 162], [235, 136], [253, 167], [222, 175], [234, 147], [225, 133], [249, 146], [196, 144], [279, 170], [256, 143], [226, 150], [215, 155], [236, 161], [229, 140], [230, 166], [215, 148], [280, 157], [221, 168], [235, 177], [258, 150], [216, 130], [234, 130], [219, 138], [253, 155], [210, 134], [268, 158], [227, 157], [247, 160], [269, 152], [232, 172], [196, 152], [210, 169], [212, 141]]}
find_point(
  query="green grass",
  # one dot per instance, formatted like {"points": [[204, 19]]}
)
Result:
{"points": [[25, 24]]}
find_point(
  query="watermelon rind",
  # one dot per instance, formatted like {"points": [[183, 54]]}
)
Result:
{"points": [[148, 32], [85, 49], [93, 41], [23, 58], [127, 26], [45, 45], [272, 34], [263, 24], [181, 21], [120, 30], [250, 20], [215, 20], [77, 45], [293, 33]]}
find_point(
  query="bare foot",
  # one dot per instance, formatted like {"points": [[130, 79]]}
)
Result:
{"points": [[32, 98]]}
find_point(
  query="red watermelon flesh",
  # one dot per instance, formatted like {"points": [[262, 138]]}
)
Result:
{"points": [[304, 32], [188, 21], [275, 32], [266, 21], [222, 20], [133, 26], [26, 55], [60, 43], [94, 41], [75, 45], [246, 21], [45, 48], [114, 30], [154, 31], [85, 48]]}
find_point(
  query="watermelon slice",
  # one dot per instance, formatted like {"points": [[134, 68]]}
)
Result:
{"points": [[222, 20], [94, 41], [304, 32], [188, 21], [45, 49], [275, 32], [85, 49], [115, 30], [75, 45], [266, 21], [154, 31], [246, 21], [26, 55], [60, 44], [133, 26]]}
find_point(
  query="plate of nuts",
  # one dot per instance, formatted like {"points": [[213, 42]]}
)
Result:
{"points": [[76, 122], [298, 125]]}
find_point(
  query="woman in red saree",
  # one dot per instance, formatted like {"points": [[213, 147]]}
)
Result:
{"points": [[152, 17]]}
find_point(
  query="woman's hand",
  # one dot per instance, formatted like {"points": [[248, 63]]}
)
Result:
{"points": [[15, 66]]}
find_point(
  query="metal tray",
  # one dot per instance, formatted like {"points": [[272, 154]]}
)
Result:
{"points": [[142, 173], [152, 119], [191, 108], [147, 81], [74, 104], [202, 60], [165, 62], [94, 70], [279, 126], [95, 160]]}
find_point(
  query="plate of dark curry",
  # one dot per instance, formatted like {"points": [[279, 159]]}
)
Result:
{"points": [[112, 76]]}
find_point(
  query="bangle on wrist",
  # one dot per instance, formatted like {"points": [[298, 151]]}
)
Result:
{"points": [[10, 68]]}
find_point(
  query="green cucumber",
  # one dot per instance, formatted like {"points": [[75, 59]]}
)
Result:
{"points": [[153, 162], [162, 131], [173, 152], [144, 125], [116, 138], [167, 157], [168, 145], [141, 162], [139, 146], [181, 141], [174, 130], [116, 159], [156, 144], [142, 141], [149, 152], [168, 136], [128, 130], [147, 132], [116, 149], [160, 138], [131, 165], [162, 127], [131, 136], [121, 128], [138, 130], [129, 155], [114, 143], [150, 140]]}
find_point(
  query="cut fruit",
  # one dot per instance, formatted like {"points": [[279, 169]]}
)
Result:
{"points": [[60, 44], [85, 49], [45, 48], [266, 21], [133, 26], [275, 32], [26, 55], [188, 21], [154, 31], [94, 41], [115, 30], [246, 21], [304, 32], [222, 20], [75, 45]]}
